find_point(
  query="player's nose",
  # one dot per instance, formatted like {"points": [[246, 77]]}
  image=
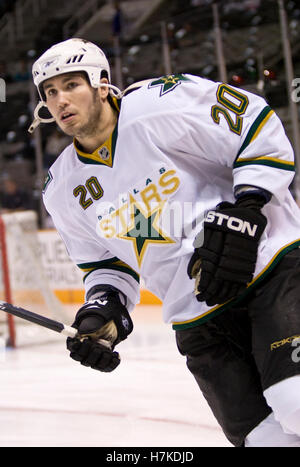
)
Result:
{"points": [[62, 99]]}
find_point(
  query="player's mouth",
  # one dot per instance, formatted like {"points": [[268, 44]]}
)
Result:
{"points": [[67, 117]]}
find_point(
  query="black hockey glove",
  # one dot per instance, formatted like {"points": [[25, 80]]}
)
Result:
{"points": [[224, 263], [101, 325]]}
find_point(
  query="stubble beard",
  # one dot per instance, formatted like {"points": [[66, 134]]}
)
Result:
{"points": [[90, 127]]}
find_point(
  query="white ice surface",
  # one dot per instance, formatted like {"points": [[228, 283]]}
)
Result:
{"points": [[151, 399]]}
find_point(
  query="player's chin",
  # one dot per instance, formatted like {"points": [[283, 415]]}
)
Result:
{"points": [[68, 128]]}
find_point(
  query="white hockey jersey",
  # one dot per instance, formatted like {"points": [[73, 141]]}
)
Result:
{"points": [[132, 209]]}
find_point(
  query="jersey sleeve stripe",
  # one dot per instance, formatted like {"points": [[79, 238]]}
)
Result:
{"points": [[256, 127], [112, 263], [264, 160]]}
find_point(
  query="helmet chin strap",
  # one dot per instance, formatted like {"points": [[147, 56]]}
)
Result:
{"points": [[114, 91], [37, 119]]}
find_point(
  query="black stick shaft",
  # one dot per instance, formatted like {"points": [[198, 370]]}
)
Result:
{"points": [[38, 319]]}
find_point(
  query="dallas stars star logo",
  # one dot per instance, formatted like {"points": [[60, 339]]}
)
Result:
{"points": [[168, 83], [48, 179], [144, 228]]}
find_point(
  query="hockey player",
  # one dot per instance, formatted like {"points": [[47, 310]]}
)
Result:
{"points": [[150, 169]]}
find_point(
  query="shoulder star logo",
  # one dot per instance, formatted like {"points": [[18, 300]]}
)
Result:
{"points": [[48, 179], [143, 229], [168, 83]]}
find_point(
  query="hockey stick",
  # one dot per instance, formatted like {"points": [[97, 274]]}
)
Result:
{"points": [[43, 321]]}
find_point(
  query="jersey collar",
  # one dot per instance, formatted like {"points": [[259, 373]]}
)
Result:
{"points": [[104, 154]]}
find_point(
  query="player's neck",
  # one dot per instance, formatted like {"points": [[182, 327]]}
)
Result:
{"points": [[105, 127]]}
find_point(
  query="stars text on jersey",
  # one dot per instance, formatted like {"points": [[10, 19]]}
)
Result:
{"points": [[137, 217]]}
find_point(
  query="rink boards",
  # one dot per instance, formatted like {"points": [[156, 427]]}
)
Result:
{"points": [[64, 277]]}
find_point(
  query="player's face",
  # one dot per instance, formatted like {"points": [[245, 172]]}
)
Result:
{"points": [[74, 104]]}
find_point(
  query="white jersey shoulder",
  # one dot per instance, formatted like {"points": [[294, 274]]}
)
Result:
{"points": [[156, 96]]}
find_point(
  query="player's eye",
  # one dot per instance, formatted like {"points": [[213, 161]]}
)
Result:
{"points": [[72, 84], [50, 92]]}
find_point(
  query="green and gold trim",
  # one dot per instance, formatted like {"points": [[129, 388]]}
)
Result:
{"points": [[265, 160], [112, 263], [224, 306], [103, 155], [116, 104], [256, 127], [252, 134]]}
